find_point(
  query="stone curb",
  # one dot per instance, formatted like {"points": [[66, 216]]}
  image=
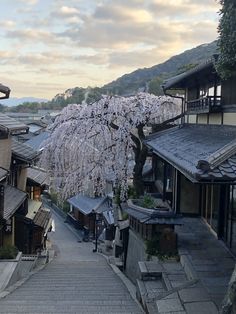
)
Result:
{"points": [[188, 267]]}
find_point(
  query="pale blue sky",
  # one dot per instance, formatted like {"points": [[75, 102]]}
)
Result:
{"points": [[48, 46]]}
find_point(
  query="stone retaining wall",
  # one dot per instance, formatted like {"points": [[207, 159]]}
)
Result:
{"points": [[136, 252]]}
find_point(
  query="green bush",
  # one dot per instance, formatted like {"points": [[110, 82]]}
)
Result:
{"points": [[8, 252], [148, 202]]}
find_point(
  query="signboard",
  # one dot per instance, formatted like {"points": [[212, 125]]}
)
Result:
{"points": [[8, 226]]}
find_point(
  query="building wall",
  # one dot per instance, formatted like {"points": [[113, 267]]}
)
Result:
{"points": [[189, 196], [229, 118], [21, 179], [5, 153], [9, 239], [202, 118], [136, 252], [215, 118], [228, 93]]}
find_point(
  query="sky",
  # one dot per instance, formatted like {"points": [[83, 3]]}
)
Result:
{"points": [[48, 46]]}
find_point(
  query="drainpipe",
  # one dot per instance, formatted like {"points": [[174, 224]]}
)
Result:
{"points": [[182, 103]]}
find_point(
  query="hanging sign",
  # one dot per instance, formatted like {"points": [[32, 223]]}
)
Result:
{"points": [[8, 226]]}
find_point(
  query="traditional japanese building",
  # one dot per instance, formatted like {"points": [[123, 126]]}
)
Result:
{"points": [[194, 164], [12, 198]]}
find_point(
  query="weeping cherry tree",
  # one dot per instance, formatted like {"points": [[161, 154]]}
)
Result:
{"points": [[91, 144]]}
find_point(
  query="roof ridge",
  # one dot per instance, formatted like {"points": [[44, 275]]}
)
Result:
{"points": [[218, 157]]}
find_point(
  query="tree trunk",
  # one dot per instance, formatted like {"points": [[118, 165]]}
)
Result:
{"points": [[140, 151]]}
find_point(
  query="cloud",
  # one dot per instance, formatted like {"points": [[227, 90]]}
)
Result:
{"points": [[7, 24], [64, 10], [30, 2], [122, 14], [78, 42], [34, 36], [182, 8]]}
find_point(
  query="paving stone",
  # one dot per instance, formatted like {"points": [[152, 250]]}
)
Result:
{"points": [[169, 305], [193, 294], [172, 267], [171, 296], [201, 308]]}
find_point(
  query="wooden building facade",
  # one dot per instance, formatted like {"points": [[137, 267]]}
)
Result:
{"points": [[194, 164]]}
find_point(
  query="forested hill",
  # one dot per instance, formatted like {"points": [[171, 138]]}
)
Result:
{"points": [[147, 79]]}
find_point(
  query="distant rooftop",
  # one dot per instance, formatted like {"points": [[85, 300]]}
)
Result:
{"points": [[37, 141], [12, 126]]}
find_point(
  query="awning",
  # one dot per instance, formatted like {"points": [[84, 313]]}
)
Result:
{"points": [[200, 152], [13, 198], [87, 205], [38, 176]]}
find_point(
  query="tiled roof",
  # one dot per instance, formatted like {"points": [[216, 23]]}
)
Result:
{"points": [[154, 217], [109, 217], [87, 205], [42, 218], [33, 208], [23, 151], [13, 198], [38, 176], [12, 126], [3, 173], [200, 152], [179, 81], [37, 141], [4, 90]]}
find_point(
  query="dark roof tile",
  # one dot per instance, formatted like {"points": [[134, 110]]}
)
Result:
{"points": [[23, 151], [13, 198], [197, 152], [12, 126]]}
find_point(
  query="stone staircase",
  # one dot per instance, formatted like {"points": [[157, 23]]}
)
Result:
{"points": [[84, 287]]}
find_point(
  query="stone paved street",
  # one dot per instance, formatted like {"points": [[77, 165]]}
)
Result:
{"points": [[76, 281]]}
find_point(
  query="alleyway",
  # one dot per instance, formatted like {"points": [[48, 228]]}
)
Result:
{"points": [[76, 281]]}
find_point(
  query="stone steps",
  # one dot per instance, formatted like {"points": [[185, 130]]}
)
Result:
{"points": [[76, 281], [77, 288]]}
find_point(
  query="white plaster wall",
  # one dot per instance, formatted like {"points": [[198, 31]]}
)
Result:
{"points": [[229, 118], [215, 118]]}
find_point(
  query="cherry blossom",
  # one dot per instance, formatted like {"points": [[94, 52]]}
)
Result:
{"points": [[91, 144]]}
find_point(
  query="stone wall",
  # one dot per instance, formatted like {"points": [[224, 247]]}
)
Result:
{"points": [[136, 252]]}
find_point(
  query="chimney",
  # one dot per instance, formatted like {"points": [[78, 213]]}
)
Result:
{"points": [[1, 201]]}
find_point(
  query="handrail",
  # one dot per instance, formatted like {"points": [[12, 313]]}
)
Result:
{"points": [[204, 104]]}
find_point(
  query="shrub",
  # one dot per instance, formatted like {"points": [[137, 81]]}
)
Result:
{"points": [[8, 252], [148, 202]]}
